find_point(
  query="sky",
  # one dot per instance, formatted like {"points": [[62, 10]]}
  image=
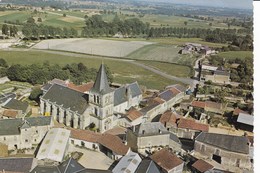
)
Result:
{"points": [[242, 4]]}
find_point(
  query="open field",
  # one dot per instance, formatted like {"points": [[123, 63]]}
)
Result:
{"points": [[172, 69], [124, 72], [92, 46], [162, 53], [172, 41], [236, 54]]}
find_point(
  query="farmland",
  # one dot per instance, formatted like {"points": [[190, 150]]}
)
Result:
{"points": [[93, 46], [236, 54], [124, 72], [162, 53]]}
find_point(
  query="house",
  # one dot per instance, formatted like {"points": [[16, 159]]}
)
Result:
{"points": [[224, 149], [54, 146], [201, 166], [6, 97], [147, 166], [21, 164], [209, 106], [100, 105], [245, 122], [68, 166], [169, 119], [168, 162], [147, 137], [17, 105], [128, 163], [187, 128], [113, 146], [84, 138], [24, 133], [220, 75]]}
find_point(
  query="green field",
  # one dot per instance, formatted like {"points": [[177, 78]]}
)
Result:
{"points": [[236, 54], [124, 72], [172, 69], [162, 53], [52, 19]]}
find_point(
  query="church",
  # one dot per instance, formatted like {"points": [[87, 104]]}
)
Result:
{"points": [[101, 105]]}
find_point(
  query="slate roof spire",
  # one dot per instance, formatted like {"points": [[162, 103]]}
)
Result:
{"points": [[101, 83]]}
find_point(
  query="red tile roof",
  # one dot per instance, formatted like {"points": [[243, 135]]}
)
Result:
{"points": [[237, 111], [191, 124], [81, 88], [166, 159], [116, 131], [199, 104], [202, 166], [158, 100], [114, 143], [85, 135], [10, 113], [169, 117], [175, 91], [215, 105], [133, 114]]}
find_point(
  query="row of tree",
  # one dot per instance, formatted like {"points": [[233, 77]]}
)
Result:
{"points": [[41, 73], [32, 30], [9, 30]]}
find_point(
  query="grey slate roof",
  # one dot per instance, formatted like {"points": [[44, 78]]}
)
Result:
{"points": [[166, 95], [147, 166], [150, 129], [101, 85], [148, 108], [11, 126], [5, 97], [68, 166], [16, 164], [120, 95], [231, 143], [17, 105], [94, 171], [68, 98], [174, 138]]}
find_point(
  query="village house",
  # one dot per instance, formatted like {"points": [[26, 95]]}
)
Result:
{"points": [[245, 122], [190, 48], [128, 163], [209, 106], [100, 105], [132, 117], [224, 149], [220, 75], [167, 161], [147, 137], [14, 104], [163, 101], [24, 133], [84, 138], [113, 146], [5, 97], [11, 114]]}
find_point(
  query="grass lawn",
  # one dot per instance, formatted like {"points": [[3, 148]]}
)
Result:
{"points": [[162, 53], [236, 54], [123, 72], [172, 69]]}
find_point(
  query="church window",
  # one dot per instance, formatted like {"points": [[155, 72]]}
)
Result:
{"points": [[97, 100], [94, 99], [96, 111]]}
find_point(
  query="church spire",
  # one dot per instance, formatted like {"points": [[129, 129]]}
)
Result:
{"points": [[101, 83]]}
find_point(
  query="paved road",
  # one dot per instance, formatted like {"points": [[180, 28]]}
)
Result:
{"points": [[188, 81]]}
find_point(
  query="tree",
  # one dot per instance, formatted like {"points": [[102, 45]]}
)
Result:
{"points": [[3, 63], [185, 23], [30, 20], [35, 94], [39, 19], [64, 15], [5, 29]]}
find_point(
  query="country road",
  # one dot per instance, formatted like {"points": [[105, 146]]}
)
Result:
{"points": [[188, 81]]}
